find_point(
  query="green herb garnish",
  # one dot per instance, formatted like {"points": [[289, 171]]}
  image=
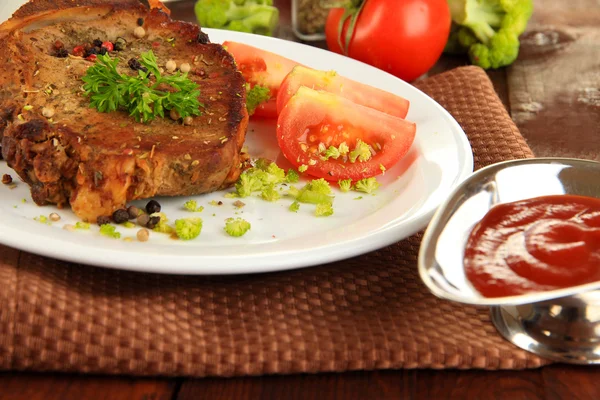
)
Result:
{"points": [[140, 95], [256, 96]]}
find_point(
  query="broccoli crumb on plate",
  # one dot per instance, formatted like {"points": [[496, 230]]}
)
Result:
{"points": [[237, 227], [188, 228]]}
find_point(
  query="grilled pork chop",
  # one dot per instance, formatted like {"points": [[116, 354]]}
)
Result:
{"points": [[71, 154]]}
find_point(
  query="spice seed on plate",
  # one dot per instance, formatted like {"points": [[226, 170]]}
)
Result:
{"points": [[103, 220], [153, 207], [133, 211], [54, 217], [143, 235], [7, 179], [120, 216], [139, 32], [143, 219]]}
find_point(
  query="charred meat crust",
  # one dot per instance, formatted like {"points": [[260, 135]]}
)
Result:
{"points": [[97, 162]]}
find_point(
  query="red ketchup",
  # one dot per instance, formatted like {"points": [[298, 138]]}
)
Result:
{"points": [[533, 245]]}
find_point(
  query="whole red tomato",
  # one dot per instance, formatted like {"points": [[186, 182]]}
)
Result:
{"points": [[402, 37]]}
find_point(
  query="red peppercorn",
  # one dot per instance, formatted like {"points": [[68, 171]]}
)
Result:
{"points": [[79, 51], [156, 45], [108, 46], [58, 45], [91, 57]]}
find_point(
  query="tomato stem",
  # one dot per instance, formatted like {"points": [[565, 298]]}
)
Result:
{"points": [[352, 12]]}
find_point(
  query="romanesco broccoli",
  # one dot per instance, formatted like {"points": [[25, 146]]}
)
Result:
{"points": [[188, 228], [237, 227], [252, 16], [488, 30]]}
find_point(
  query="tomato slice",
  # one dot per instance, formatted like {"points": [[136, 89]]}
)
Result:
{"points": [[261, 67], [314, 123], [330, 81]]}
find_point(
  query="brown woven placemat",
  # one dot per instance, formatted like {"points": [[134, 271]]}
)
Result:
{"points": [[369, 312]]}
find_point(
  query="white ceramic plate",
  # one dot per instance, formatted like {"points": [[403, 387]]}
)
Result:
{"points": [[279, 239]]}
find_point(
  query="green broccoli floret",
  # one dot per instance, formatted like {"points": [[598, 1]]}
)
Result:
{"points": [[188, 228], [367, 185], [292, 176], [314, 192], [249, 182], [275, 175], [270, 194], [488, 30], [109, 231], [192, 206], [345, 185], [82, 225], [237, 227], [255, 96], [319, 186], [332, 152], [252, 16], [362, 152], [324, 210], [295, 206]]}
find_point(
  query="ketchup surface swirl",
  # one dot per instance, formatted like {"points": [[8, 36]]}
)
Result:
{"points": [[538, 244]]}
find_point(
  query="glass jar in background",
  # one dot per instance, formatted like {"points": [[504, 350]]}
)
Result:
{"points": [[308, 19]]}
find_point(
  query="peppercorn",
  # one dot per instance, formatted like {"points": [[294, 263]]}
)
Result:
{"points": [[103, 51], [103, 220], [62, 53], [120, 44], [143, 235], [152, 222], [93, 50], [58, 45], [120, 216], [140, 21], [133, 211], [152, 207], [108, 46], [98, 43], [7, 179], [135, 65], [79, 51]]}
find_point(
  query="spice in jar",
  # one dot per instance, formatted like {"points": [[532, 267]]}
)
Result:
{"points": [[311, 16]]}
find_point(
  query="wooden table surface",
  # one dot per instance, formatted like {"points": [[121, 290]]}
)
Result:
{"points": [[553, 94]]}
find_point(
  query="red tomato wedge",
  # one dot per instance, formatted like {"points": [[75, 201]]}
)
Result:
{"points": [[261, 67], [324, 132], [330, 81]]}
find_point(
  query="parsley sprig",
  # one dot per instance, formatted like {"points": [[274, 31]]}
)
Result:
{"points": [[144, 96]]}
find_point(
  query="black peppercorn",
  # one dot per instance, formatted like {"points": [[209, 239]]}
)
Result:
{"points": [[152, 207], [140, 21], [103, 220], [103, 51], [61, 53], [135, 65], [98, 43], [120, 216], [93, 50], [152, 222]]}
